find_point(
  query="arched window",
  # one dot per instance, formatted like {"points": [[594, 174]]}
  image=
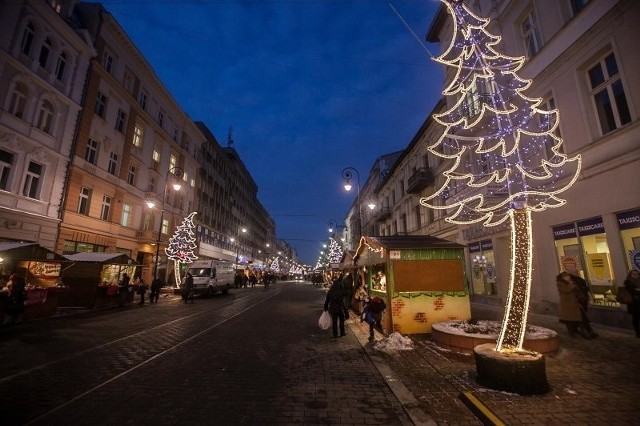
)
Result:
{"points": [[60, 66], [44, 52], [27, 39], [18, 100], [45, 116]]}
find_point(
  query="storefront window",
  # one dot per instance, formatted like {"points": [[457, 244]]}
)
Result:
{"points": [[582, 249], [483, 278], [629, 224]]}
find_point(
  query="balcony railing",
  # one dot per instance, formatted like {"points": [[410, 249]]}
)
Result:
{"points": [[420, 179], [383, 214]]}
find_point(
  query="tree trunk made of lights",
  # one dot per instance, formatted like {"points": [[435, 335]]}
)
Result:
{"points": [[515, 317]]}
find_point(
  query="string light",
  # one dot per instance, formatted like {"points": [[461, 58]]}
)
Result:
{"points": [[182, 245], [504, 153]]}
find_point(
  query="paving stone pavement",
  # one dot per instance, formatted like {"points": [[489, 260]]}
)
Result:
{"points": [[235, 362]]}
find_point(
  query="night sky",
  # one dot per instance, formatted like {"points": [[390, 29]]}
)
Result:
{"points": [[309, 88]]}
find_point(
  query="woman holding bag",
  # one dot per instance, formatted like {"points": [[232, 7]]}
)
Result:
{"points": [[334, 304]]}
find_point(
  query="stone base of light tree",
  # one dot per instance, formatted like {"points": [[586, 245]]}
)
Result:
{"points": [[517, 372]]}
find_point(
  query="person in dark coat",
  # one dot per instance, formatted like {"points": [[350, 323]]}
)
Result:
{"points": [[347, 285], [123, 289], [154, 295], [15, 295], [187, 288], [334, 304], [632, 283]]}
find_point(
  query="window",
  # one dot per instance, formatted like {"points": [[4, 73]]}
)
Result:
{"points": [[147, 223], [83, 201], [531, 34], [471, 104], [138, 136], [44, 53], [107, 61], [152, 185], [165, 226], [120, 120], [155, 155], [113, 163], [578, 5], [60, 66], [31, 186], [18, 100], [126, 215], [106, 207], [27, 39], [143, 99], [608, 94], [128, 81], [92, 151], [101, 104], [131, 177], [546, 123], [45, 116], [160, 117], [6, 161]]}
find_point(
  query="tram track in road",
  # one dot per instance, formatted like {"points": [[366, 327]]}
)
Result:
{"points": [[35, 392]]}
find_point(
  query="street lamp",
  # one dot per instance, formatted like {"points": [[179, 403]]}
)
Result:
{"points": [[177, 173], [347, 174], [240, 230]]}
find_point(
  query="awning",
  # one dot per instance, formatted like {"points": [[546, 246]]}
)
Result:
{"points": [[105, 258], [16, 251], [374, 250]]}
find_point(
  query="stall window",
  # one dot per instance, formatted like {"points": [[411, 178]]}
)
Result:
{"points": [[629, 224]]}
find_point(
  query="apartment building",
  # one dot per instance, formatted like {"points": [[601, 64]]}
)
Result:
{"points": [[44, 57], [581, 57]]}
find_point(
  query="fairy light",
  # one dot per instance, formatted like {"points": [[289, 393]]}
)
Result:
{"points": [[495, 140], [182, 245]]}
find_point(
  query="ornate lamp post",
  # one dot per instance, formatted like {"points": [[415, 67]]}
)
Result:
{"points": [[177, 173], [347, 174]]}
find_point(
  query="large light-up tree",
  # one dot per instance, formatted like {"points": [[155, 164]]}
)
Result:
{"points": [[503, 152], [182, 245], [335, 251]]}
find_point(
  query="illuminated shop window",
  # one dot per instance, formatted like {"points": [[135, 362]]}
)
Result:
{"points": [[483, 271], [629, 225]]}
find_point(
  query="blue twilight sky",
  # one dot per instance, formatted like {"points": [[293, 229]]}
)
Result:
{"points": [[308, 86]]}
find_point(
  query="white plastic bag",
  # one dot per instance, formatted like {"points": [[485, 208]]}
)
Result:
{"points": [[325, 320]]}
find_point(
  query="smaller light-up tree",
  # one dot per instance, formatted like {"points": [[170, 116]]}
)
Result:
{"points": [[182, 245], [335, 251]]}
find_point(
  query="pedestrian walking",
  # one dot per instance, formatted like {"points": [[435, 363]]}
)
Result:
{"points": [[187, 289], [14, 295], [154, 294], [142, 290], [632, 283], [373, 310], [574, 300], [123, 289], [252, 280], [347, 286], [334, 304]]}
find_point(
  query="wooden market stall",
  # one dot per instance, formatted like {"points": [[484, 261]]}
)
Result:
{"points": [[41, 270], [421, 279], [93, 279]]}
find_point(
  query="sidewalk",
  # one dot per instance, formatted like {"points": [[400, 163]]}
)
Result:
{"points": [[593, 382]]}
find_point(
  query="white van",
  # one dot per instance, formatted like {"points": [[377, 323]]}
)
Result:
{"points": [[211, 276]]}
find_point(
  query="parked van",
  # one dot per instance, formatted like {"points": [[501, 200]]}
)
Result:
{"points": [[211, 276]]}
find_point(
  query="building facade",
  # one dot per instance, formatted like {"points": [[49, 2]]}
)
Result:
{"points": [[44, 57], [581, 59]]}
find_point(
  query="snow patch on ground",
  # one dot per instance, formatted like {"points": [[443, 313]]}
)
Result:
{"points": [[394, 342], [488, 328]]}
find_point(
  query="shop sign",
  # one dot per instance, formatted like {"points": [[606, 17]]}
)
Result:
{"points": [[629, 220], [486, 245], [599, 272], [394, 254], [563, 232], [634, 255], [591, 227], [45, 269], [474, 247], [570, 264]]}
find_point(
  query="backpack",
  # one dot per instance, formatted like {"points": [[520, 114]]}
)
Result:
{"points": [[378, 305]]}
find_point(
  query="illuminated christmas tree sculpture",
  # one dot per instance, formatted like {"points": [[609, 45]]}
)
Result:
{"points": [[335, 251], [275, 265], [504, 154], [182, 245]]}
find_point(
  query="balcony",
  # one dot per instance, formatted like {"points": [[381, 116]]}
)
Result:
{"points": [[419, 180], [383, 214]]}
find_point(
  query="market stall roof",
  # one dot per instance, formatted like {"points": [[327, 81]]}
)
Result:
{"points": [[106, 258], [27, 251], [401, 242]]}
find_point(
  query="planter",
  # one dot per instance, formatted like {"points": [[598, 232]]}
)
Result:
{"points": [[449, 336]]}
